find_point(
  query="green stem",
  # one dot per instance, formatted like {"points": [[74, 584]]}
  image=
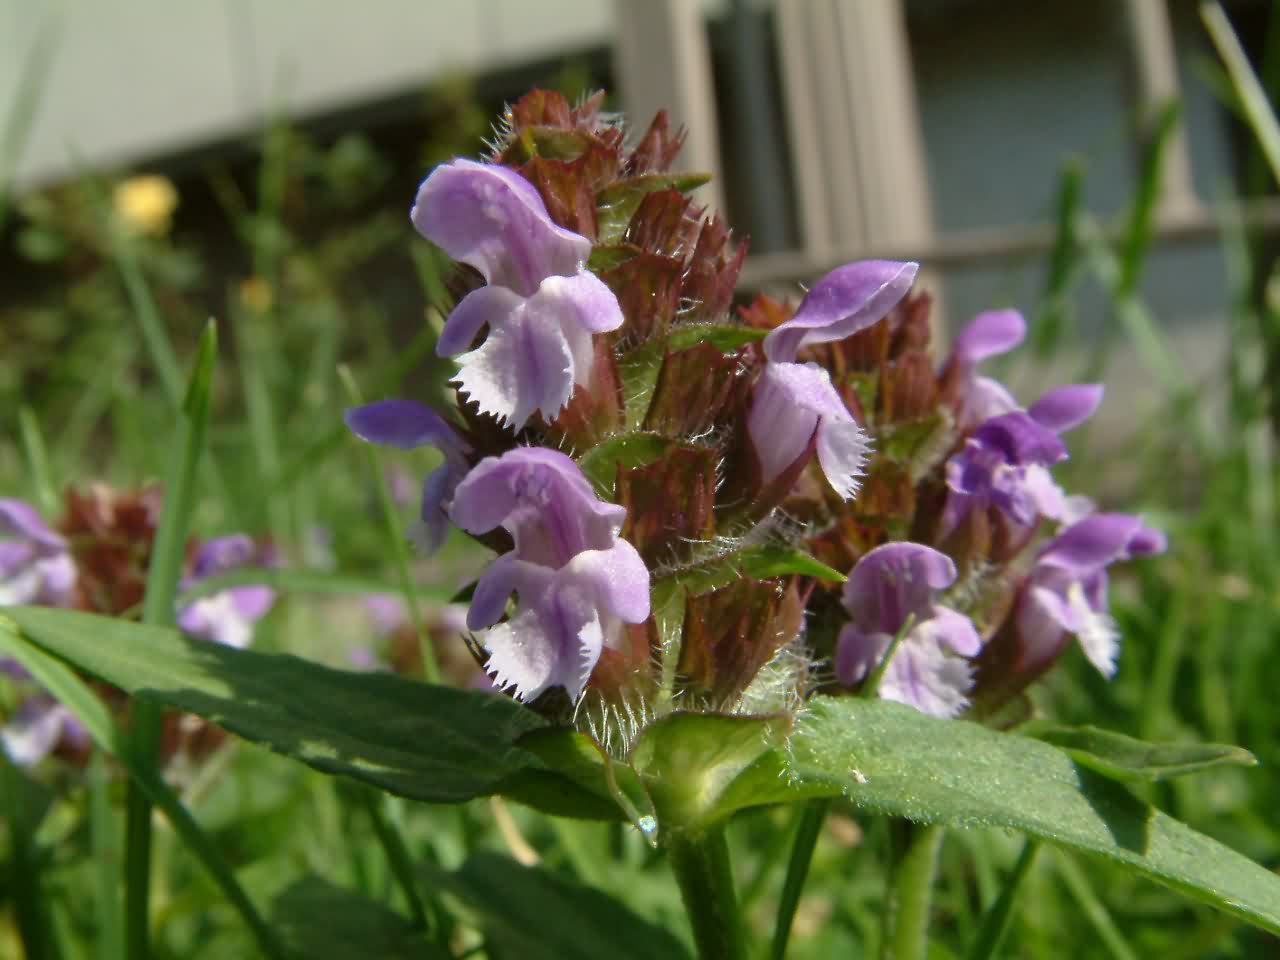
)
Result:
{"points": [[911, 892], [168, 555], [398, 856], [996, 921], [701, 865], [399, 545], [809, 826], [105, 841]]}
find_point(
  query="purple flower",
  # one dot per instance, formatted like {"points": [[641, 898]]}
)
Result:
{"points": [[576, 581], [38, 727], [35, 565], [989, 334], [541, 305], [1067, 590], [889, 585], [791, 401], [407, 424], [228, 616], [1065, 408], [1003, 465]]}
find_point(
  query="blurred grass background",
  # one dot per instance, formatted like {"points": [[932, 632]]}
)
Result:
{"points": [[301, 249]]}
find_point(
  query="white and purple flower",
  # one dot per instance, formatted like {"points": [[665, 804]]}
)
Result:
{"points": [[576, 581], [228, 616], [793, 400], [977, 398], [541, 304], [889, 587], [35, 564], [1066, 593]]}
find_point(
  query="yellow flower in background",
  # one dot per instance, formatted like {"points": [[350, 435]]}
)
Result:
{"points": [[255, 295], [145, 203]]}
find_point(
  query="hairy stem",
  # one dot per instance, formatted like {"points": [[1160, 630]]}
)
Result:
{"points": [[911, 889]]}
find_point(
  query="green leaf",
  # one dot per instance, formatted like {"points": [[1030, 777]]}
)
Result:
{"points": [[534, 914], [319, 921], [725, 337], [772, 560], [617, 204], [427, 742], [888, 758], [92, 713], [689, 763], [600, 463], [1124, 758]]}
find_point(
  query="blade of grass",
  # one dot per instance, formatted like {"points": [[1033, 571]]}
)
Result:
{"points": [[22, 110], [24, 810], [46, 492], [1098, 915], [93, 715], [397, 853], [808, 827], [995, 922], [167, 559], [1253, 98], [302, 463], [399, 543], [1064, 260]]}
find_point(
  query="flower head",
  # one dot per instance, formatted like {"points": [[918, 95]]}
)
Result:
{"points": [[575, 579], [541, 306], [894, 587], [35, 565]]}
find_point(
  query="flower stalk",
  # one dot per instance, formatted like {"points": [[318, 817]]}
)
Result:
{"points": [[910, 895], [700, 862]]}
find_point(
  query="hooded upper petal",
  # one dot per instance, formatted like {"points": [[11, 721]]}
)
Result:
{"points": [[490, 217], [542, 499], [894, 581], [846, 300]]}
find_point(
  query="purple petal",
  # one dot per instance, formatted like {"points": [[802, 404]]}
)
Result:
{"points": [[893, 581], [488, 305], [857, 653], [406, 424], [953, 630], [989, 334], [1066, 407], [221, 554], [618, 578], [792, 400], [522, 367], [504, 576], [1091, 544], [20, 520], [541, 497], [843, 302], [490, 217], [983, 399], [1021, 440], [1147, 542], [35, 730], [437, 491], [923, 675]]}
